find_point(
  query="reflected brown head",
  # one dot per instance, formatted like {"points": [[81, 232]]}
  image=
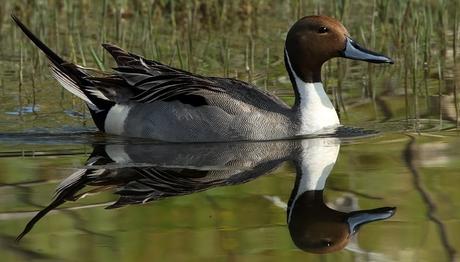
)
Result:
{"points": [[311, 41], [316, 228]]}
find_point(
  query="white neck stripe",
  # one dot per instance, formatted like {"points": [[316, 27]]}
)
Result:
{"points": [[316, 110], [290, 66]]}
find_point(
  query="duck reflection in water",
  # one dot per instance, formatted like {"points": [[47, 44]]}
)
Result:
{"points": [[314, 227], [142, 173]]}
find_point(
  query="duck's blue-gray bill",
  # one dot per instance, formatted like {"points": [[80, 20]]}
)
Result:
{"points": [[359, 218], [354, 51]]}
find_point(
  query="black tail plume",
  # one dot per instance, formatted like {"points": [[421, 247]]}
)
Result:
{"points": [[72, 78], [53, 57]]}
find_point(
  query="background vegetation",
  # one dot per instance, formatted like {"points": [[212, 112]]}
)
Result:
{"points": [[242, 39]]}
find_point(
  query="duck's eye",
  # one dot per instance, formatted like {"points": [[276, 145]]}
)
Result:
{"points": [[323, 30], [326, 242]]}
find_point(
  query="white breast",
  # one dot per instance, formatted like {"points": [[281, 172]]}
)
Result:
{"points": [[316, 110]]}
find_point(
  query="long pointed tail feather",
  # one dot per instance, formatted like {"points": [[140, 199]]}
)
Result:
{"points": [[53, 57], [72, 78], [68, 76]]}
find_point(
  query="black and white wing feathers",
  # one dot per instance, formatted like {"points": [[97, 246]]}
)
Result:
{"points": [[145, 81]]}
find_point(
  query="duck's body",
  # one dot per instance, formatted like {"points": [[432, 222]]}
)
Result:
{"points": [[230, 110], [237, 111], [183, 123], [144, 98]]}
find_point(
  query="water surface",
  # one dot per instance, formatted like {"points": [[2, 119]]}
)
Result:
{"points": [[239, 211]]}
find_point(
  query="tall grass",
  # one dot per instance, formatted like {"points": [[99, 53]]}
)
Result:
{"points": [[245, 39]]}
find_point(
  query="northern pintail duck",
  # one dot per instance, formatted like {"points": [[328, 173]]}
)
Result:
{"points": [[145, 98]]}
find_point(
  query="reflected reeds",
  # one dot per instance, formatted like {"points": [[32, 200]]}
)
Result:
{"points": [[409, 157]]}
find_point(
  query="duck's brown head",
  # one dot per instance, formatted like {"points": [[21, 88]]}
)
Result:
{"points": [[313, 40], [316, 228]]}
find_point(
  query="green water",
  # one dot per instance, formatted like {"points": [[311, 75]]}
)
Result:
{"points": [[46, 134]]}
